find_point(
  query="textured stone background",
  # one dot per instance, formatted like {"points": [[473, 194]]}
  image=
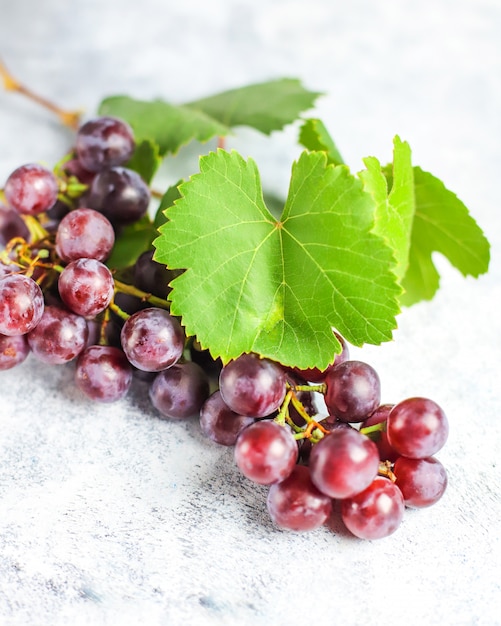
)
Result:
{"points": [[109, 515]]}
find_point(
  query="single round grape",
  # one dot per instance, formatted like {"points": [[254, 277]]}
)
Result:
{"points": [[86, 287], [13, 351], [376, 512], [219, 423], [103, 373], [31, 189], [59, 336], [343, 463], [104, 142], [353, 391], [296, 504], [84, 233], [180, 391], [417, 428], [152, 277], [11, 225], [252, 386], [421, 481], [21, 304], [266, 452], [120, 194], [152, 339], [315, 375], [380, 438]]}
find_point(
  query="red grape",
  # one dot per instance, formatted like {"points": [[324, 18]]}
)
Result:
{"points": [[103, 373], [84, 233], [376, 512], [266, 452], [21, 304], [86, 287], [219, 423], [180, 391], [421, 481], [31, 189], [13, 351], [353, 391], [104, 142]]}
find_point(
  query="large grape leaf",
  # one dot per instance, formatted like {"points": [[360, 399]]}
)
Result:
{"points": [[442, 223], [265, 106], [277, 287], [393, 193]]}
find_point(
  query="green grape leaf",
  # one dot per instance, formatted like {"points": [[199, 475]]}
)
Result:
{"points": [[277, 287], [393, 193], [264, 106], [443, 224], [133, 240], [170, 196], [146, 160], [314, 136]]}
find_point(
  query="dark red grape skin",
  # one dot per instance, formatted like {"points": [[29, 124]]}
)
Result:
{"points": [[120, 194], [417, 428], [252, 386], [21, 304], [104, 142], [152, 339], [296, 504], [180, 391], [219, 423], [376, 512], [266, 452], [11, 225], [343, 463], [103, 373], [353, 391], [84, 233], [421, 481], [13, 351], [31, 189], [380, 438], [86, 287], [59, 337]]}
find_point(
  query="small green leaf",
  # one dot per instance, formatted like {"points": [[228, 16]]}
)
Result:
{"points": [[393, 193], [277, 287], [264, 106], [146, 160], [442, 224], [170, 196], [131, 243], [314, 136]]}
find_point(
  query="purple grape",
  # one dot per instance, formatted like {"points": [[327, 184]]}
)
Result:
{"points": [[84, 233], [152, 339], [152, 277], [421, 481], [180, 391], [266, 452], [11, 225], [219, 423], [59, 336], [103, 373], [252, 386], [86, 287], [343, 463], [296, 504], [120, 194], [104, 142], [21, 304], [417, 428], [353, 391], [13, 351], [375, 512], [31, 189]]}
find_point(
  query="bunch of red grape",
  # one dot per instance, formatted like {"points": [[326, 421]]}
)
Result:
{"points": [[61, 302]]}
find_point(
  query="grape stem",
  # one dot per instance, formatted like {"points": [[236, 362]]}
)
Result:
{"points": [[386, 469], [143, 295], [68, 118]]}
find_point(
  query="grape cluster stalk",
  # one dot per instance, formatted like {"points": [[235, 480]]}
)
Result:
{"points": [[62, 303]]}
